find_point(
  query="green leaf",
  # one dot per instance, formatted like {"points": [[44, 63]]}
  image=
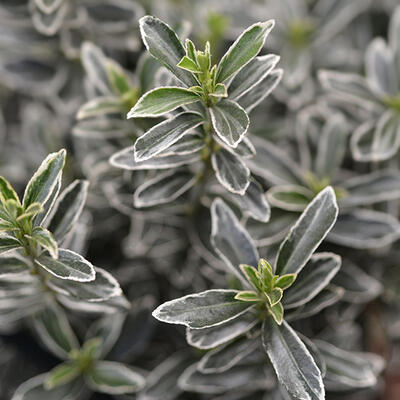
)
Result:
{"points": [[45, 239], [114, 378], [247, 295], [202, 310], [159, 101], [6, 226], [52, 326], [99, 106], [251, 75], [69, 265], [266, 273], [243, 50], [229, 121], [189, 65], [163, 44], [7, 191], [44, 180], [33, 210], [274, 296], [68, 209], [8, 243], [277, 312], [165, 134], [220, 91], [308, 232], [231, 172], [252, 276], [285, 281], [293, 364], [190, 49], [118, 78], [290, 197], [62, 374]]}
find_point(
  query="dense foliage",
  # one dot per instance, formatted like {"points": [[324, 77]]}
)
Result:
{"points": [[229, 166]]}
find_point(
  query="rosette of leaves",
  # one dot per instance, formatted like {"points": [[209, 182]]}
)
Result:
{"points": [[234, 319], [377, 93], [83, 370], [210, 132], [308, 37], [32, 263], [322, 143]]}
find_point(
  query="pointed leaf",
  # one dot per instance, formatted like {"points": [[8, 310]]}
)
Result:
{"points": [[7, 191], [230, 240], [44, 180], [45, 239], [62, 374], [231, 171], [229, 121], [243, 50], [247, 295], [165, 134], [163, 44], [314, 277], [68, 209], [277, 312], [164, 188], [308, 232], [202, 310], [69, 265], [293, 364], [114, 378]]}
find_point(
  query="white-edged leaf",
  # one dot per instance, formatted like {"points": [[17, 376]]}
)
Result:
{"points": [[226, 356], [230, 121], [273, 164], [69, 265], [364, 229], [371, 188], [125, 159], [164, 188], [165, 134], [161, 100], [294, 366], [243, 50], [163, 44], [308, 232], [52, 326], [202, 310], [100, 106], [33, 389], [42, 183], [8, 243], [231, 171], [314, 277], [254, 97], [68, 209], [114, 378], [208, 338], [102, 288], [230, 240], [251, 75], [290, 197], [254, 203], [45, 238]]}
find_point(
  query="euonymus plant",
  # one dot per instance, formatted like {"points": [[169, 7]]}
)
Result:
{"points": [[199, 199]]}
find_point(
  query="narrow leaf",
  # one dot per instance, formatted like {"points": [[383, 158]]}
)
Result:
{"points": [[159, 101], [165, 134], [308, 232], [229, 121], [243, 50], [202, 310], [293, 364]]}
